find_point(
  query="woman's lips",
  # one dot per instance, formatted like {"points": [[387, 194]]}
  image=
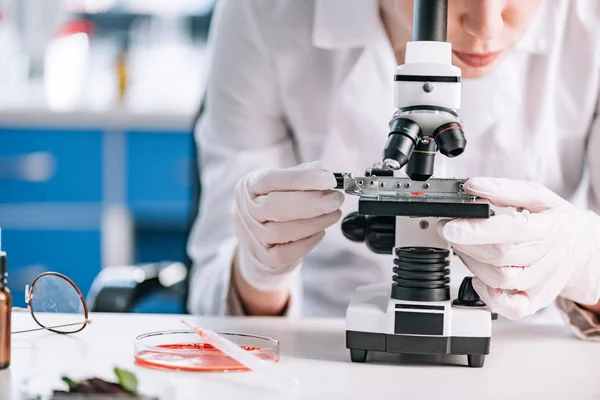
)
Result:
{"points": [[477, 59]]}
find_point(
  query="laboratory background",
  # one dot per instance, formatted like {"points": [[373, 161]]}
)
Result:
{"points": [[98, 177]]}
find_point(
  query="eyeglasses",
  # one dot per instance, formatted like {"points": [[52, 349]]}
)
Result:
{"points": [[52, 293]]}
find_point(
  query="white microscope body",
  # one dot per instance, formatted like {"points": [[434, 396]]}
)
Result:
{"points": [[413, 313]]}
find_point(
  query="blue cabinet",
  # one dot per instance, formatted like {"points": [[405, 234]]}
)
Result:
{"points": [[55, 183], [159, 177], [75, 253], [50, 165], [50, 204], [159, 191]]}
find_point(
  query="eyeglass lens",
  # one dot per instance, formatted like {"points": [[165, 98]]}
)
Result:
{"points": [[53, 294]]}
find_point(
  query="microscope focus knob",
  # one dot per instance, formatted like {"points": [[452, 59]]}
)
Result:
{"points": [[467, 296], [353, 227], [377, 231]]}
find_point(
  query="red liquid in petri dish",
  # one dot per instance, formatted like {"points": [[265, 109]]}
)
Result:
{"points": [[199, 357]]}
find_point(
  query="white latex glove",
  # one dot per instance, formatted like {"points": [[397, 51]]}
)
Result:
{"points": [[281, 215], [544, 248]]}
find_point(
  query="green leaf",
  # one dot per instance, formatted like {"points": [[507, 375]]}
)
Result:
{"points": [[127, 380], [69, 382]]}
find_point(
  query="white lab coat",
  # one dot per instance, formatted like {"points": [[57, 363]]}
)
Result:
{"points": [[294, 81]]}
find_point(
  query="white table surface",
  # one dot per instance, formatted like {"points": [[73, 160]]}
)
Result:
{"points": [[533, 358]]}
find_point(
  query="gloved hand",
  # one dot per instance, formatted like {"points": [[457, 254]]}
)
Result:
{"points": [[545, 248], [281, 215]]}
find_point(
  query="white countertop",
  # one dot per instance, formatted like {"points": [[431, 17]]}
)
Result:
{"points": [[534, 358]]}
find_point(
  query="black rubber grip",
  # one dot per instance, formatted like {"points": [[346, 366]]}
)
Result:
{"points": [[421, 274]]}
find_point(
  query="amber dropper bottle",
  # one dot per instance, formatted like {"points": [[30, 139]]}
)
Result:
{"points": [[5, 314]]}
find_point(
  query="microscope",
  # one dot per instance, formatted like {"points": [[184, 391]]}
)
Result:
{"points": [[398, 212]]}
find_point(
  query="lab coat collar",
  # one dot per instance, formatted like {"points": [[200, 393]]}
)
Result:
{"points": [[341, 24]]}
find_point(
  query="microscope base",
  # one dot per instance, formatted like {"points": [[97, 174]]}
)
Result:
{"points": [[360, 343], [377, 322]]}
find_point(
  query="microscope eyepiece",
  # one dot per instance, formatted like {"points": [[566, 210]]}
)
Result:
{"points": [[450, 139], [403, 137]]}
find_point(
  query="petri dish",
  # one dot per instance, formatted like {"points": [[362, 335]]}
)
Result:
{"points": [[185, 350]]}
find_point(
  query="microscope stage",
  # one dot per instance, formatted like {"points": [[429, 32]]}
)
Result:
{"points": [[424, 207], [402, 197]]}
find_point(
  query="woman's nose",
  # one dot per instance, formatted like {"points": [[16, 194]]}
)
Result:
{"points": [[483, 18]]}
